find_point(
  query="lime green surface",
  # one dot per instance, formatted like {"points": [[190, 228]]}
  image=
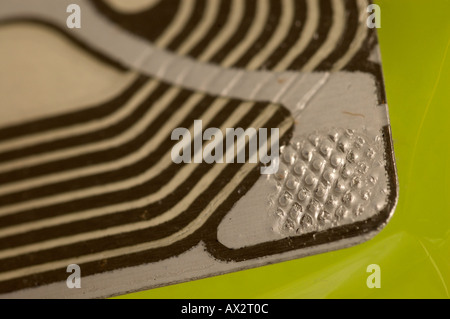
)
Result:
{"points": [[413, 250]]}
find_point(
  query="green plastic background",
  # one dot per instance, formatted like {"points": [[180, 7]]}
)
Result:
{"points": [[413, 251]]}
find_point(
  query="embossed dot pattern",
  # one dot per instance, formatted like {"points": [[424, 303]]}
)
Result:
{"points": [[327, 179]]}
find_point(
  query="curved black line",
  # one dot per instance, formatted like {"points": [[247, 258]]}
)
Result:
{"points": [[265, 36], [193, 21], [85, 116], [351, 26], [121, 195], [323, 28], [72, 118], [140, 236], [291, 38], [246, 22], [99, 55], [108, 155], [222, 19], [149, 24], [95, 157], [147, 188], [152, 255]]}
